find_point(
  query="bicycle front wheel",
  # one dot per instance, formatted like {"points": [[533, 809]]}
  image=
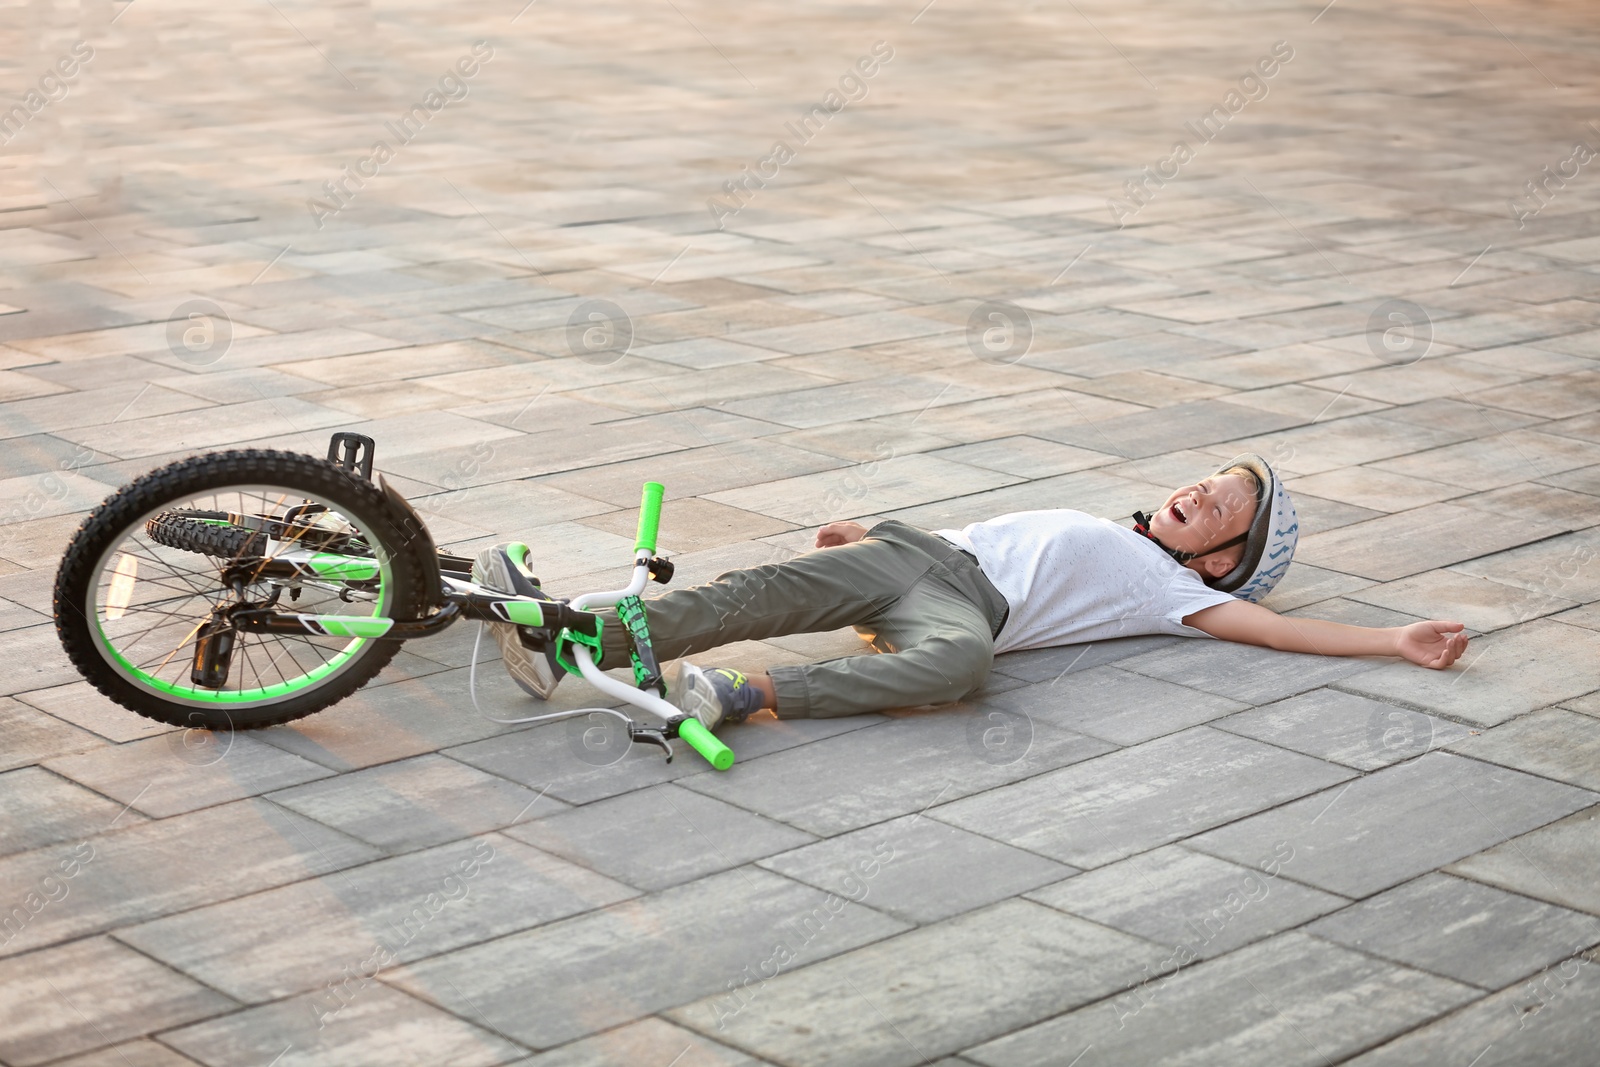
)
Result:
{"points": [[150, 590]]}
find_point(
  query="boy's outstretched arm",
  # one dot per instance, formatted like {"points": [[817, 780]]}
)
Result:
{"points": [[1433, 644]]}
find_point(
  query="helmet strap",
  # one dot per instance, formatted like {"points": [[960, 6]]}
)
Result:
{"points": [[1141, 525]]}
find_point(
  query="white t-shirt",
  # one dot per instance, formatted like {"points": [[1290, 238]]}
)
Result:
{"points": [[1071, 578]]}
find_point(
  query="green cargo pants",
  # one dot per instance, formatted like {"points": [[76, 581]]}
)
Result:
{"points": [[924, 604]]}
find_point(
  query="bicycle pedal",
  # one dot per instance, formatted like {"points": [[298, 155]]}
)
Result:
{"points": [[353, 452]]}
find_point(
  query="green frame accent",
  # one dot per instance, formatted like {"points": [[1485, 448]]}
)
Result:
{"points": [[351, 626], [343, 568], [649, 517], [523, 612], [567, 638], [631, 613]]}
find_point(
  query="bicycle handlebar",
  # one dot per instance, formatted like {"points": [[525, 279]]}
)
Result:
{"points": [[705, 742], [649, 517]]}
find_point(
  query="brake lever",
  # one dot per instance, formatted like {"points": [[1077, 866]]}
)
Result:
{"points": [[650, 735]]}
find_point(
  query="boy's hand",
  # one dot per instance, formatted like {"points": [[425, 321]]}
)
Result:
{"points": [[1431, 644], [840, 533]]}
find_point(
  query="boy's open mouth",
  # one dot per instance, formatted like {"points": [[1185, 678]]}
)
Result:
{"points": [[1177, 513]]}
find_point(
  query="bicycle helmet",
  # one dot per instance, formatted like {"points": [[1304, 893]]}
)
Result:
{"points": [[1268, 544]]}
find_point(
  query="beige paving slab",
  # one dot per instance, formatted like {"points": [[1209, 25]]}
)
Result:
{"points": [[380, 1025], [1026, 457], [694, 525], [695, 471], [1574, 510], [1375, 488], [214, 427], [186, 770], [646, 1041], [1348, 442], [1421, 539], [1479, 602], [896, 482], [1149, 388], [1274, 366], [88, 994], [141, 1053], [1498, 459]]}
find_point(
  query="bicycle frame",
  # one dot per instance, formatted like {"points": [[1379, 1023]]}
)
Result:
{"points": [[574, 627]]}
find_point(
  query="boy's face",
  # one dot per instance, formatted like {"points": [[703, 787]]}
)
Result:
{"points": [[1210, 512]]}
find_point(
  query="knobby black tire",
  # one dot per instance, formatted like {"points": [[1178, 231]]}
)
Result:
{"points": [[405, 545], [188, 530]]}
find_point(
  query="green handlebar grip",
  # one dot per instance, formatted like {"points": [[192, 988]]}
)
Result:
{"points": [[649, 517], [705, 742]]}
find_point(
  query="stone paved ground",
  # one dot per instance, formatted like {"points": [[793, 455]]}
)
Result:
{"points": [[1357, 861]]}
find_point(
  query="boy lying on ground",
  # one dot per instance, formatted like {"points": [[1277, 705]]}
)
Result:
{"points": [[938, 607]]}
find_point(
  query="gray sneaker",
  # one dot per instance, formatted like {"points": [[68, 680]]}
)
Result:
{"points": [[504, 569], [714, 695]]}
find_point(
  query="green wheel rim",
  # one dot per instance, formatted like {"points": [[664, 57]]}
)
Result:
{"points": [[332, 566]]}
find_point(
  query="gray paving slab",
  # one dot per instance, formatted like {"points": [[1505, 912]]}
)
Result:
{"points": [[37, 661], [594, 972], [1552, 863], [140, 1053], [1546, 1022], [122, 875], [1505, 674], [415, 803], [88, 994], [1462, 930], [377, 1025], [1200, 422], [32, 736], [381, 724], [1344, 728], [650, 1040], [1289, 1000], [38, 808], [1115, 805], [931, 991], [1553, 743], [820, 329], [1183, 899], [659, 837], [1562, 566], [1114, 705], [1396, 823], [186, 770], [1242, 672], [917, 869], [314, 936], [856, 779], [1481, 603], [577, 764], [1048, 664]]}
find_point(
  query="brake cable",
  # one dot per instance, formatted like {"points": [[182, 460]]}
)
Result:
{"points": [[472, 691]]}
